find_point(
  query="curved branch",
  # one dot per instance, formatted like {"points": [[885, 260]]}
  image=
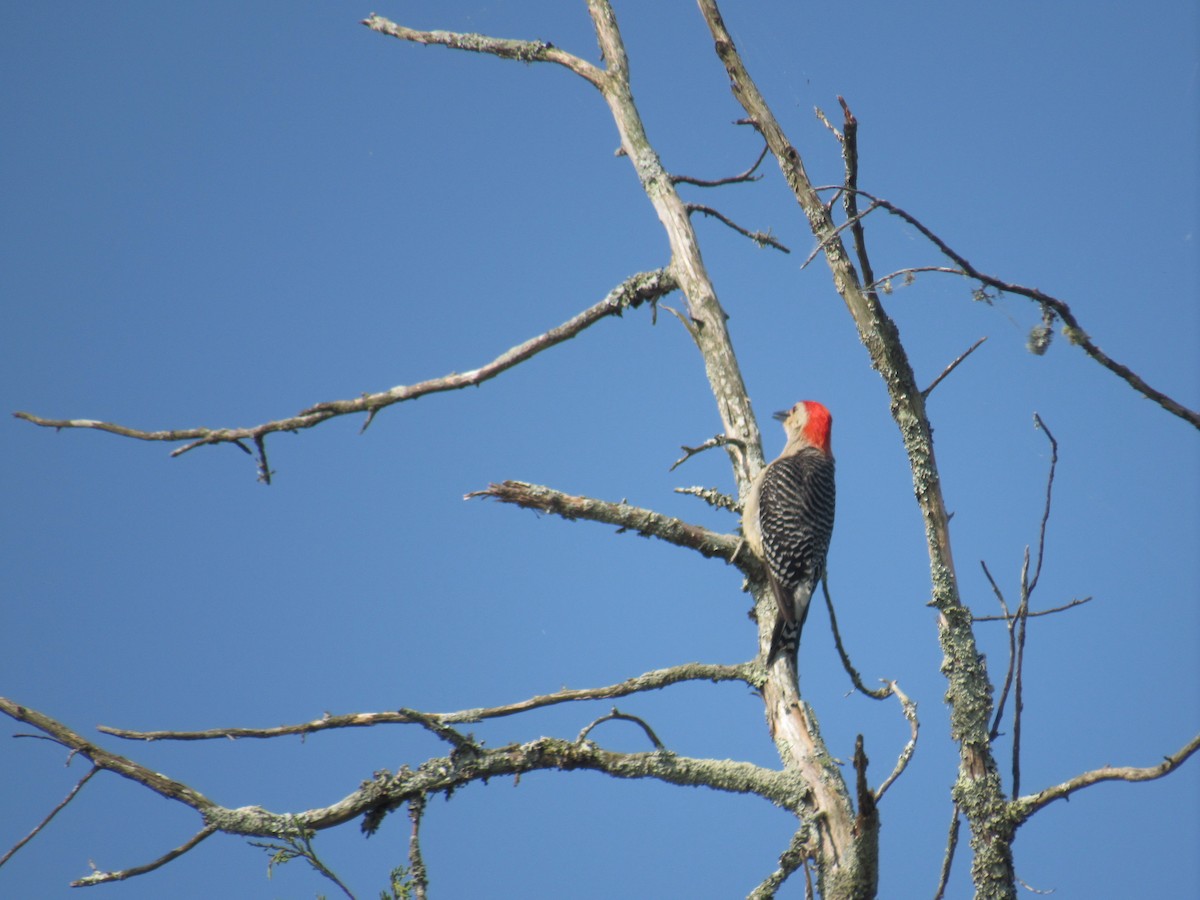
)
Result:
{"points": [[914, 725], [123, 874], [1074, 331], [855, 678], [762, 238], [1024, 807], [748, 175], [630, 294], [615, 715], [650, 681]]}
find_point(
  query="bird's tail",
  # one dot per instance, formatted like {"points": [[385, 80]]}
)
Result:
{"points": [[786, 636], [784, 639]]}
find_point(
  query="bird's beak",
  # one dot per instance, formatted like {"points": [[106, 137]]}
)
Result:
{"points": [[781, 415]]}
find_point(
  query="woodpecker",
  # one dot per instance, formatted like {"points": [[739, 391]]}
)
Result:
{"points": [[788, 518]]}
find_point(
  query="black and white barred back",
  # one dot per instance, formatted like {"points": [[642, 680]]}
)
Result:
{"points": [[796, 507]]}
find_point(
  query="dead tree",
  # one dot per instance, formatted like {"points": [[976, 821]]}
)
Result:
{"points": [[836, 809]]}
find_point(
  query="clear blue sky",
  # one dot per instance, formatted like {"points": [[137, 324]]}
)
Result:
{"points": [[218, 214]]}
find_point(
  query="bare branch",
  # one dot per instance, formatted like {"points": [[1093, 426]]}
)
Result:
{"points": [[884, 283], [748, 175], [650, 681], [954, 365], [762, 238], [416, 862], [630, 294], [994, 731], [1036, 613], [645, 522], [1032, 889], [436, 725], [124, 874], [856, 679], [711, 496], [524, 51], [789, 861], [101, 758], [1024, 807], [616, 714], [824, 120], [825, 242], [719, 440], [1017, 623], [849, 143], [1074, 331], [1041, 551], [387, 791], [914, 725], [948, 859], [54, 812], [1022, 628], [867, 811]]}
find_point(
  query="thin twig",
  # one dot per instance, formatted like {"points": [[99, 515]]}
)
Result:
{"points": [[1038, 423], [625, 717], [1034, 614], [719, 440], [867, 799], [832, 236], [884, 283], [54, 812], [855, 679], [435, 725], [948, 859], [123, 874], [824, 120], [711, 496], [914, 726], [994, 731], [789, 861], [748, 175], [850, 196], [1028, 585], [1022, 625], [1034, 890], [1074, 330], [416, 862], [762, 238], [954, 365]]}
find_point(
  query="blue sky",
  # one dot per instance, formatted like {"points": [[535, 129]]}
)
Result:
{"points": [[225, 213]]}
